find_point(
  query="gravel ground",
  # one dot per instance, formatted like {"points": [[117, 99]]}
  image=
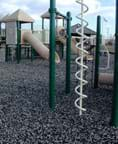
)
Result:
{"points": [[25, 117]]}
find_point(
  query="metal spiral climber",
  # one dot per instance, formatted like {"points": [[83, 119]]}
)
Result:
{"points": [[80, 59]]}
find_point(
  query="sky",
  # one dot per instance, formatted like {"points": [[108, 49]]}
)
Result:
{"points": [[105, 8]]}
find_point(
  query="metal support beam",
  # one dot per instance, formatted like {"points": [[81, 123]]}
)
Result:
{"points": [[18, 49], [6, 53], [63, 21], [42, 23], [52, 97], [68, 52], [43, 30], [97, 52], [114, 117], [62, 50], [28, 52], [32, 49], [0, 28]]}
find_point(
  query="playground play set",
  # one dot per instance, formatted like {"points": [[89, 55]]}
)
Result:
{"points": [[38, 43]]}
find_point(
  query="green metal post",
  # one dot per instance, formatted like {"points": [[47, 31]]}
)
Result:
{"points": [[97, 52], [42, 23], [9, 51], [52, 97], [18, 49], [6, 53], [17, 46], [63, 22], [43, 30], [28, 53], [6, 48], [0, 28], [25, 51], [32, 50], [114, 118], [68, 52], [19, 39], [62, 50]]}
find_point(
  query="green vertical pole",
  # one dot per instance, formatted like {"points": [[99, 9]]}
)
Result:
{"points": [[9, 51], [32, 50], [114, 117], [18, 49], [0, 31], [28, 53], [6, 53], [19, 39], [0, 28], [97, 52], [63, 22], [43, 31], [68, 52], [62, 50], [28, 49], [52, 97], [6, 48], [42, 23]]}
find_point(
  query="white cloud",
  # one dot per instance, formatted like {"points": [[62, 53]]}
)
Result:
{"points": [[37, 7], [93, 5], [108, 11], [10, 7]]}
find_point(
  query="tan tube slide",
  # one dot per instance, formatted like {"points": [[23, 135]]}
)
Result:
{"points": [[61, 36], [106, 78], [40, 48], [73, 44]]}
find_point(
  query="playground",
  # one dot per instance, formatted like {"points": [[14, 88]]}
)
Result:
{"points": [[55, 87]]}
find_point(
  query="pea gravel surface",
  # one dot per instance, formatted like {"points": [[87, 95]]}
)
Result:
{"points": [[25, 117]]}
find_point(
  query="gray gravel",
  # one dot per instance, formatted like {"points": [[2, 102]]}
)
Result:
{"points": [[25, 117]]}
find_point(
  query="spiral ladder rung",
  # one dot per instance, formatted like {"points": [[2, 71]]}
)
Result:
{"points": [[80, 59]]}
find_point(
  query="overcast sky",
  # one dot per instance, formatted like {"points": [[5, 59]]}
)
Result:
{"points": [[105, 8]]}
